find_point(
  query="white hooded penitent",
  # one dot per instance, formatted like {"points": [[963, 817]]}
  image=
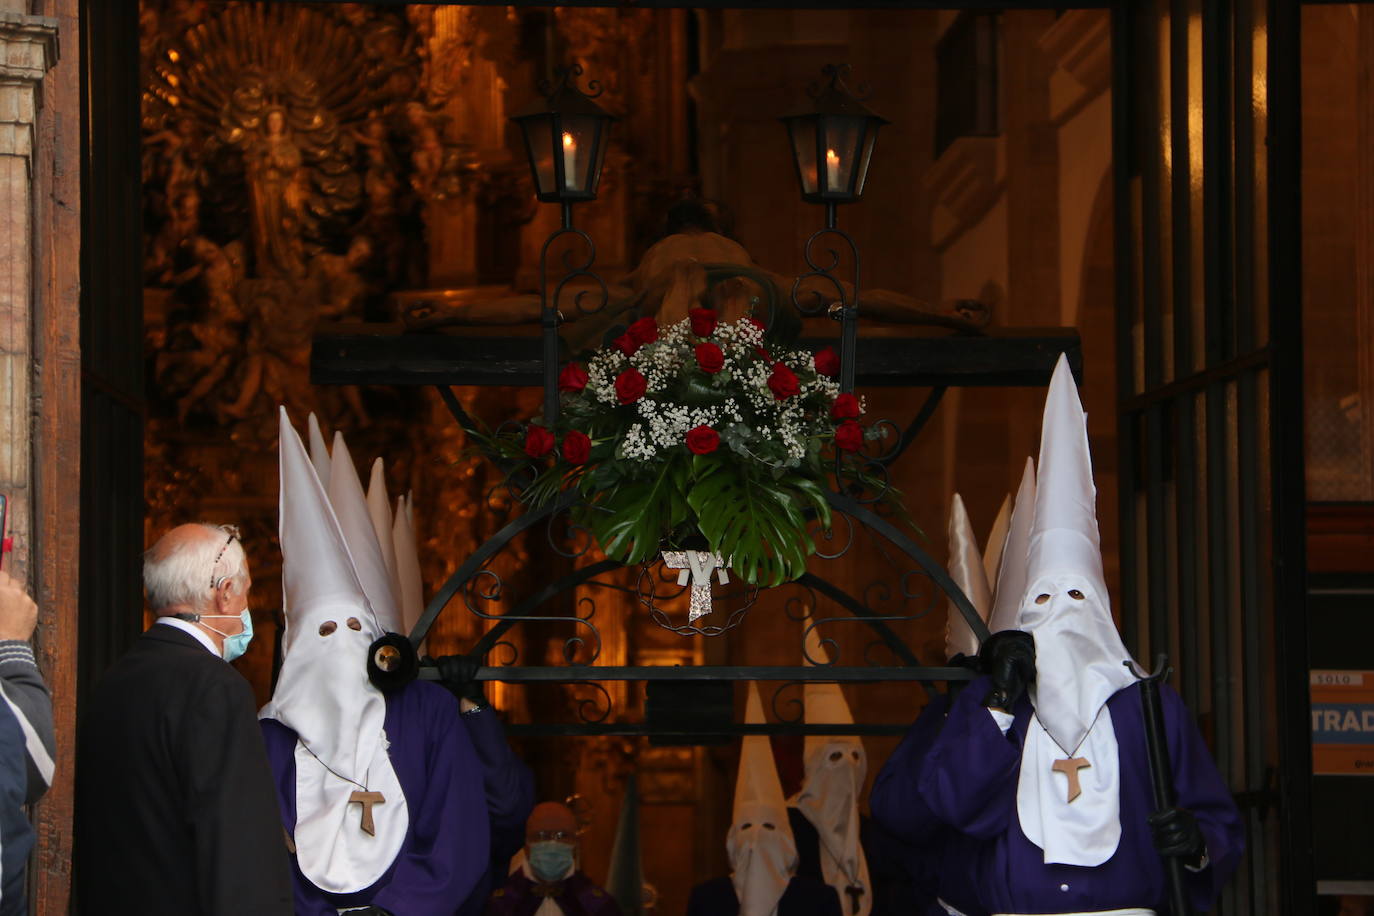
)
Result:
{"points": [[1010, 586], [319, 451], [350, 505], [997, 542], [379, 508], [1068, 793], [408, 565], [763, 853], [343, 772], [835, 767], [967, 570]]}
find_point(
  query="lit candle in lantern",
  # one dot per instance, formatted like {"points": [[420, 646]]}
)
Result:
{"points": [[570, 175], [832, 170]]}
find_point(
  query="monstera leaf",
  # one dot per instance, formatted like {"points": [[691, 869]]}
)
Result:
{"points": [[632, 518], [759, 524]]}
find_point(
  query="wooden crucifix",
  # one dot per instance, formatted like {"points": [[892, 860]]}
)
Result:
{"points": [[1070, 768], [367, 800]]}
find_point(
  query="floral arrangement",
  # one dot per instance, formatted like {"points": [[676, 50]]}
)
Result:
{"points": [[699, 435]]}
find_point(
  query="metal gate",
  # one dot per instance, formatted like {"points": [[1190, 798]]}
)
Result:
{"points": [[1206, 140]]}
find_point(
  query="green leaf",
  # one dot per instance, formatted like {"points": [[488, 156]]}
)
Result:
{"points": [[758, 524]]}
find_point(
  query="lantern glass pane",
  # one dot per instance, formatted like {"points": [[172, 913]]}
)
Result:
{"points": [[580, 148], [843, 138], [870, 138], [803, 131], [539, 140]]}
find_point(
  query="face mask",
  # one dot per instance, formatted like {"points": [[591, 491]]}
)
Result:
{"points": [[550, 860], [236, 644]]}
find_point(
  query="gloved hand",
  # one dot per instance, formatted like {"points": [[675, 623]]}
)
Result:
{"points": [[1008, 658], [1177, 833], [458, 673], [971, 662]]}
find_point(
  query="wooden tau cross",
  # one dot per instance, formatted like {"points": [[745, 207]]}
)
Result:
{"points": [[1070, 768], [853, 893], [367, 800]]}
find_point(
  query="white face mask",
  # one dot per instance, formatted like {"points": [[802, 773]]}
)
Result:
{"points": [[763, 857], [1078, 654]]}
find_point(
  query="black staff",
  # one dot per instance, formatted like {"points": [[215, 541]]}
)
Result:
{"points": [[1161, 775]]}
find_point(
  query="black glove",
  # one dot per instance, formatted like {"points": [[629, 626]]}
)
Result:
{"points": [[1177, 834], [458, 673], [1008, 658], [971, 662]]}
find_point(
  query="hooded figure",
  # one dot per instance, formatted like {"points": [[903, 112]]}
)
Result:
{"points": [[379, 793], [408, 566], [896, 801], [1041, 765], [762, 850], [319, 451], [968, 568], [1011, 570], [834, 771], [359, 530], [379, 509]]}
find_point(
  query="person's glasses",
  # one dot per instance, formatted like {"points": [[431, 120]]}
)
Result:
{"points": [[233, 536], [541, 836]]}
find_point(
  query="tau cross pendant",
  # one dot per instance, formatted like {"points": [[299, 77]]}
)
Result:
{"points": [[1070, 768], [854, 893], [367, 800]]}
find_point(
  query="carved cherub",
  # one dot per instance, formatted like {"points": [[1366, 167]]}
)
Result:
{"points": [[183, 224]]}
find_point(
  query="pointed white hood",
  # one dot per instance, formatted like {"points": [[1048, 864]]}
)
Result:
{"points": [[323, 693], [319, 451], [379, 508], [997, 542], [1079, 653], [967, 570], [1010, 586], [835, 767], [408, 565], [350, 505], [762, 850]]}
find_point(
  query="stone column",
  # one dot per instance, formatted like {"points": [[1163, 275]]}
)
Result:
{"points": [[28, 47]]}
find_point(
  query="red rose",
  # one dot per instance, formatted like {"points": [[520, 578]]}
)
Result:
{"points": [[828, 362], [710, 358], [703, 440], [573, 378], [644, 331], [758, 324], [703, 321], [626, 344], [538, 441], [577, 447], [846, 407], [783, 382], [630, 386], [850, 436]]}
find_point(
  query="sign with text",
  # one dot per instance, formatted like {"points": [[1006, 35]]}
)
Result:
{"points": [[1343, 723]]}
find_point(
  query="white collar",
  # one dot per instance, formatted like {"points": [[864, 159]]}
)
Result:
{"points": [[201, 636]]}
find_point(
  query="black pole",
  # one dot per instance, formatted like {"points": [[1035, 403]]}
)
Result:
{"points": [[1161, 774]]}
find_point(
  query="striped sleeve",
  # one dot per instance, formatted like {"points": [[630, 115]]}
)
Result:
{"points": [[27, 698]]}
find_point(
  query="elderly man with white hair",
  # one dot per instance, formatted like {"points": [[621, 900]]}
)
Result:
{"points": [[175, 811]]}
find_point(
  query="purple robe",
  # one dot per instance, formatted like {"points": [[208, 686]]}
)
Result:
{"points": [[576, 895], [969, 781], [942, 854], [446, 847], [509, 788]]}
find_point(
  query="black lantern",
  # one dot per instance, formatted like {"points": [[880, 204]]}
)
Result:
{"points": [[565, 138], [832, 144]]}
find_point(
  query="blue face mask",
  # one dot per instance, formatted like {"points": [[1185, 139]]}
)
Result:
{"points": [[550, 860], [236, 644]]}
